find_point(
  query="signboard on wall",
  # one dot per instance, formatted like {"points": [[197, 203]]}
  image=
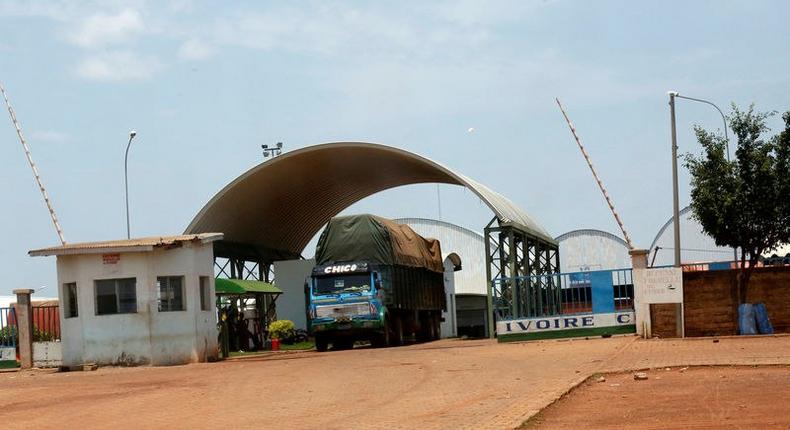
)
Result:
{"points": [[664, 285], [565, 322]]}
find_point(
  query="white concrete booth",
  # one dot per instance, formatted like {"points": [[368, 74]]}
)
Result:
{"points": [[138, 301]]}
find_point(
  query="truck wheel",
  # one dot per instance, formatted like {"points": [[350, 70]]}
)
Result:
{"points": [[321, 343], [426, 330], [381, 340], [396, 331]]}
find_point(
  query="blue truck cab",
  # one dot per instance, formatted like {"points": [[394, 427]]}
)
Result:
{"points": [[345, 304]]}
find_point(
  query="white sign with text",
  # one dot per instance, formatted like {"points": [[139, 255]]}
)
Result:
{"points": [[564, 322], [664, 285]]}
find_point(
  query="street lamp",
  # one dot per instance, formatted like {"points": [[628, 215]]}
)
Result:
{"points": [[675, 201], [723, 119], [273, 151], [132, 134]]}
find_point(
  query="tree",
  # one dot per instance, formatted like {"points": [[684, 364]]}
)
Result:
{"points": [[743, 203]]}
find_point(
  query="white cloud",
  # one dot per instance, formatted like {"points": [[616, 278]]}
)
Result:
{"points": [[195, 49], [118, 66], [102, 29], [47, 136]]}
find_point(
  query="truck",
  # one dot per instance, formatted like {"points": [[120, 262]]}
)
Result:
{"points": [[375, 280]]}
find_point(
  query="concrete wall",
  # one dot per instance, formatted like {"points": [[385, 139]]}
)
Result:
{"points": [[47, 354], [448, 327], [147, 336], [710, 300], [655, 286], [290, 276]]}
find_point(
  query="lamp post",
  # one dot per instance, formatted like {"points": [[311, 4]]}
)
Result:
{"points": [[273, 151], [675, 202], [132, 134], [723, 119]]}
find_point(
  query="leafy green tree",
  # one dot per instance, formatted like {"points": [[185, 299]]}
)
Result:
{"points": [[743, 203]]}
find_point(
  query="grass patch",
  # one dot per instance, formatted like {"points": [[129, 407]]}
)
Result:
{"points": [[298, 346], [301, 346]]}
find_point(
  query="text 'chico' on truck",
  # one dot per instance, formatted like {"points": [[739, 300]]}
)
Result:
{"points": [[375, 280]]}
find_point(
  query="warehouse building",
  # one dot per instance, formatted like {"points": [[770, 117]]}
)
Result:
{"points": [[470, 281]]}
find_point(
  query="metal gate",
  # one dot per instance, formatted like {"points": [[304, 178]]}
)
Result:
{"points": [[564, 304], [8, 337]]}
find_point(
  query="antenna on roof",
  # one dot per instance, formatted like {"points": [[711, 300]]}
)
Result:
{"points": [[33, 167], [595, 175]]}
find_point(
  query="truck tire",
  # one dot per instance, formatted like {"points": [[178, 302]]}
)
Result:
{"points": [[381, 340], [426, 327], [321, 343], [396, 331]]}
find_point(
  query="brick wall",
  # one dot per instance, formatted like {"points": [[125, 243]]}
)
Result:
{"points": [[664, 320], [710, 300]]}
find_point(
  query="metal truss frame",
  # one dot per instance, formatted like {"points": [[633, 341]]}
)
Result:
{"points": [[513, 259]]}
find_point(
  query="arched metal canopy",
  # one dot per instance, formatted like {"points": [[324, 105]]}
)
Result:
{"points": [[275, 208]]}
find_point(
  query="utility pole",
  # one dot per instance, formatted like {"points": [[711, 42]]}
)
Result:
{"points": [[132, 134], [675, 202]]}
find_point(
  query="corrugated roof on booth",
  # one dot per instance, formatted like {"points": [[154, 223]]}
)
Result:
{"points": [[125, 245]]}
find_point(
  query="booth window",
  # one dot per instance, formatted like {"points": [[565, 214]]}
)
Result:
{"points": [[171, 293], [205, 293], [116, 296], [70, 295]]}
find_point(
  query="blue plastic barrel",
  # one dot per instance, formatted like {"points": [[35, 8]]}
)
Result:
{"points": [[747, 324], [763, 323]]}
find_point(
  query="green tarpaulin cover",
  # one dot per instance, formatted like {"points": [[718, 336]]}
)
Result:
{"points": [[239, 286], [376, 240]]}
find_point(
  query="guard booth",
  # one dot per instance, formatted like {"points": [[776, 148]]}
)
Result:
{"points": [[245, 308]]}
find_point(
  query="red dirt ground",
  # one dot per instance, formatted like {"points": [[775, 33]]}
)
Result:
{"points": [[697, 398]]}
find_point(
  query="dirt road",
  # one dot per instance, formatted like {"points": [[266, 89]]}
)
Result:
{"points": [[449, 384], [697, 398]]}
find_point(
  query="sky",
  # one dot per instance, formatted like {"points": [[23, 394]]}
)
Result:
{"points": [[205, 84]]}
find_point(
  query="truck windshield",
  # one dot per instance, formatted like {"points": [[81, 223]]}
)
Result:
{"points": [[357, 283]]}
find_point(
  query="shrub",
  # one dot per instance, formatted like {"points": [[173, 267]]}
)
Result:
{"points": [[281, 329]]}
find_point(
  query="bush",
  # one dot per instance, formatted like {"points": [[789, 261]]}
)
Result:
{"points": [[281, 329]]}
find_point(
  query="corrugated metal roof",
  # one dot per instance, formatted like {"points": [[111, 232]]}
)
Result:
{"points": [[467, 244], [124, 245], [279, 205], [591, 249]]}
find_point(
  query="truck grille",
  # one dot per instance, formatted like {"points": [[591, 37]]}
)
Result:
{"points": [[344, 310]]}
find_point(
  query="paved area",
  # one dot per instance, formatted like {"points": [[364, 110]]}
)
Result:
{"points": [[742, 397], [449, 384]]}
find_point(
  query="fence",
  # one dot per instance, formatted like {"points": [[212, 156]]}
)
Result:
{"points": [[8, 328], [46, 323], [563, 294]]}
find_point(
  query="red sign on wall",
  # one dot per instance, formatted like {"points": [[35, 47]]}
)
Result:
{"points": [[110, 258]]}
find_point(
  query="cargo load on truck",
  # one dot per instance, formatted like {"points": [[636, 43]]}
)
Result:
{"points": [[377, 240]]}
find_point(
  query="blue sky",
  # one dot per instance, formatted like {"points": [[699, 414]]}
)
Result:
{"points": [[206, 83]]}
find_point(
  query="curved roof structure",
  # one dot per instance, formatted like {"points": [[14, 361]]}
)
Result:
{"points": [[695, 245], [591, 232], [590, 249], [279, 205]]}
